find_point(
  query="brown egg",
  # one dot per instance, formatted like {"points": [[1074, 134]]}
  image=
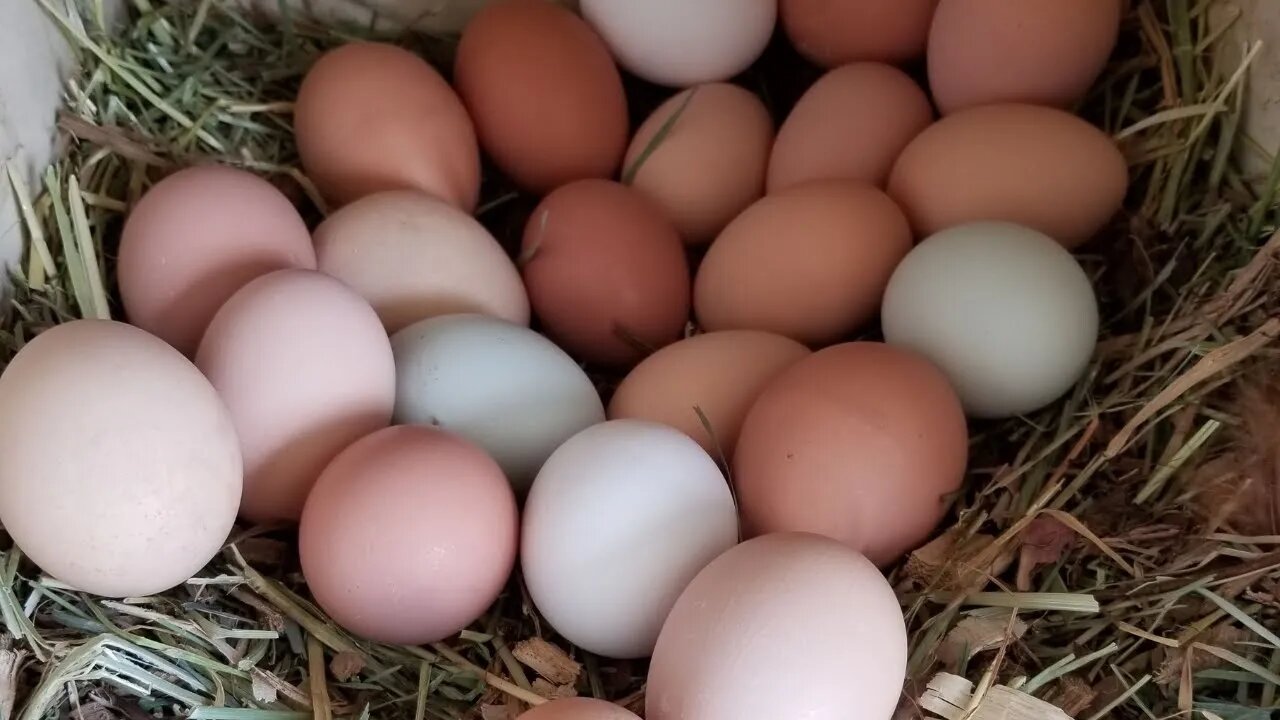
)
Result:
{"points": [[861, 442], [409, 535], [372, 117], [545, 95], [194, 239], [578, 708], [606, 272], [1035, 166], [810, 262], [718, 373], [835, 32], [1045, 52], [851, 125], [711, 162]]}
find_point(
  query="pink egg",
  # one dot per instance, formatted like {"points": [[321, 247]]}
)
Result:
{"points": [[196, 238], [409, 535], [306, 369]]}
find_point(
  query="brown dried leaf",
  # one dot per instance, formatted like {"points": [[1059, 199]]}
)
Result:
{"points": [[547, 660], [1043, 543], [346, 665]]}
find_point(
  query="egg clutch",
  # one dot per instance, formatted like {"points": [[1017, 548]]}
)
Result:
{"points": [[411, 393]]}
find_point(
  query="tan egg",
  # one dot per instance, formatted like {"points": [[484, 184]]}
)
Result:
{"points": [[1044, 52], [810, 262], [711, 162], [849, 125], [578, 708], [545, 95], [412, 256], [120, 471], [195, 238], [306, 369], [717, 374], [1035, 166], [606, 272], [861, 442], [835, 32], [372, 116]]}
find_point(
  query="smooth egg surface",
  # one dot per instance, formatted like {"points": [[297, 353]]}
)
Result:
{"points": [[194, 239], [811, 615], [412, 256], [862, 442], [409, 535], [372, 117], [146, 494], [306, 369], [835, 32], [578, 708]]}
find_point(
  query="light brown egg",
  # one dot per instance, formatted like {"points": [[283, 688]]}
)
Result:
{"points": [[578, 708], [120, 470], [606, 272], [412, 256], [718, 374], [1044, 52], [545, 95], [789, 625], [711, 162], [1036, 166], [409, 535], [861, 442], [810, 262], [306, 369], [195, 238], [835, 32], [849, 125], [371, 117]]}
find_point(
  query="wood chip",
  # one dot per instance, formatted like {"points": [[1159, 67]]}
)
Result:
{"points": [[263, 690], [547, 660], [1073, 694], [950, 697], [947, 562], [346, 665], [553, 692], [985, 630]]}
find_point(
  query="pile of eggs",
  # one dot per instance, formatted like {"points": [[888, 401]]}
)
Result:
{"points": [[376, 380]]}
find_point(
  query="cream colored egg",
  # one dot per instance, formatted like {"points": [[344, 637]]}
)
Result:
{"points": [[120, 472]]}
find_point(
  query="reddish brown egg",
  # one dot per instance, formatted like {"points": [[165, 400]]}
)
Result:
{"points": [[834, 32], [1045, 52], [861, 442], [810, 262], [849, 125], [606, 272], [1035, 166], [545, 95], [371, 117]]}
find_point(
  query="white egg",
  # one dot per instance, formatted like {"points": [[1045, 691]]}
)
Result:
{"points": [[500, 385], [1003, 310], [619, 520], [681, 43]]}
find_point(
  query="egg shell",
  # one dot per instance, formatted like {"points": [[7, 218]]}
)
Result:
{"points": [[412, 256], [717, 374], [502, 386], [195, 238], [409, 535], [606, 272], [711, 163], [306, 369], [806, 612], [545, 96], [809, 262], [617, 522], [849, 125], [860, 442], [578, 708], [1004, 311], [372, 117], [1042, 52], [679, 43], [1035, 166], [834, 32], [120, 471]]}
